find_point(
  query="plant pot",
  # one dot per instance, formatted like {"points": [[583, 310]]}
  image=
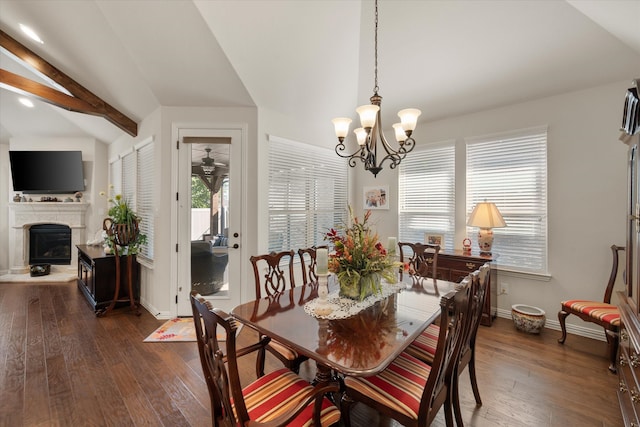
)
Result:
{"points": [[359, 287], [123, 234]]}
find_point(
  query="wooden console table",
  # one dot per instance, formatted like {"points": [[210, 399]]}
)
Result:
{"points": [[455, 265], [97, 277]]}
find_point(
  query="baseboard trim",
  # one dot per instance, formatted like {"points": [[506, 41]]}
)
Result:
{"points": [[571, 329]]}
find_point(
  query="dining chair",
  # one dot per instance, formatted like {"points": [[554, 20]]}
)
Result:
{"points": [[422, 260], [424, 349], [270, 280], [409, 390], [601, 313], [308, 263], [280, 398]]}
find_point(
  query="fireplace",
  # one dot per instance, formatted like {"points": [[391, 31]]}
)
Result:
{"points": [[50, 244], [23, 216]]}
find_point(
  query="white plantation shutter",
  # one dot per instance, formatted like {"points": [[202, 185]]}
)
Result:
{"points": [[129, 178], [511, 171], [144, 194], [307, 194], [426, 194]]}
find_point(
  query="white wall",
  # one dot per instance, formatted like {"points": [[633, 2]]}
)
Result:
{"points": [[586, 183]]}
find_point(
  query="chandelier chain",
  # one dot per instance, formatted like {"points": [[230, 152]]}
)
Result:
{"points": [[375, 68]]}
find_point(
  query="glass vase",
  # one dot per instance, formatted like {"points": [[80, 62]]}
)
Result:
{"points": [[359, 287]]}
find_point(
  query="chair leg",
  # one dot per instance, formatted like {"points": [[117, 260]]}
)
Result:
{"points": [[562, 315], [345, 410], [612, 348], [448, 415], [474, 381], [455, 401]]}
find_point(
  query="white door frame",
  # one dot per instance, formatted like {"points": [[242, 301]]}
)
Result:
{"points": [[181, 229]]}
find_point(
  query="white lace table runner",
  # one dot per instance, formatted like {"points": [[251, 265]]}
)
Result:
{"points": [[341, 308]]}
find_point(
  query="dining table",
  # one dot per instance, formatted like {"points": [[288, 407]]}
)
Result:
{"points": [[361, 344]]}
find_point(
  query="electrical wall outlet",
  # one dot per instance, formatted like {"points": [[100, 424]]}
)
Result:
{"points": [[504, 288]]}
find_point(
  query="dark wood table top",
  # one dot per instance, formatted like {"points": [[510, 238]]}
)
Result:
{"points": [[360, 345]]}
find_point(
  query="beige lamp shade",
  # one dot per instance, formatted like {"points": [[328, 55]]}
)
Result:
{"points": [[486, 215]]}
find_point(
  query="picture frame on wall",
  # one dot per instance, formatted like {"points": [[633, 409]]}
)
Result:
{"points": [[434, 239], [375, 197]]}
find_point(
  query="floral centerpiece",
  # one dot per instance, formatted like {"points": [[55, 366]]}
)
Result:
{"points": [[121, 227], [359, 260]]}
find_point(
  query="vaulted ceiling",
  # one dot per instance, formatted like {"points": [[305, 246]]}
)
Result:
{"points": [[313, 59]]}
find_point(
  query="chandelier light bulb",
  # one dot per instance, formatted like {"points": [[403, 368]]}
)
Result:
{"points": [[401, 136], [409, 118], [341, 125], [361, 135], [368, 114]]}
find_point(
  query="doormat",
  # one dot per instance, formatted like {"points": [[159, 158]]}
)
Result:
{"points": [[180, 329]]}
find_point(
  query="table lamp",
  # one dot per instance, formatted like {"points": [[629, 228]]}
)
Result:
{"points": [[486, 216]]}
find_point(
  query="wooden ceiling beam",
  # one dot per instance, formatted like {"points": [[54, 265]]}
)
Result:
{"points": [[89, 102]]}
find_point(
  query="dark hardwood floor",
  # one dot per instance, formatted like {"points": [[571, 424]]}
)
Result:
{"points": [[62, 366]]}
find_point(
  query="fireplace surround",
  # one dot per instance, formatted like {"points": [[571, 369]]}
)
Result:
{"points": [[23, 215]]}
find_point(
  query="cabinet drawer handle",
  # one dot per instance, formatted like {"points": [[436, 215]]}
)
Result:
{"points": [[429, 260], [635, 397], [623, 335], [470, 265], [623, 361], [633, 361], [623, 387]]}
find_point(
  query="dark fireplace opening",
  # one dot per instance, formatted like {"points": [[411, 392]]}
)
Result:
{"points": [[49, 244]]}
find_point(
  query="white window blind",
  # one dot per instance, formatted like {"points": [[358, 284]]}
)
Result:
{"points": [[426, 194], [511, 171], [307, 194], [129, 179], [144, 195]]}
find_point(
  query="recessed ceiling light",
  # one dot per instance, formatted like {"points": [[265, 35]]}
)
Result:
{"points": [[26, 102], [32, 34]]}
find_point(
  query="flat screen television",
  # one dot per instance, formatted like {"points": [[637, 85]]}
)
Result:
{"points": [[47, 172]]}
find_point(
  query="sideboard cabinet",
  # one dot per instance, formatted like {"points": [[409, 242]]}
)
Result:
{"points": [[456, 265], [628, 366], [97, 277]]}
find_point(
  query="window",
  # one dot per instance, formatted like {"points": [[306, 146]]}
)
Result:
{"points": [[511, 171], [131, 175], [426, 194], [307, 194], [144, 194]]}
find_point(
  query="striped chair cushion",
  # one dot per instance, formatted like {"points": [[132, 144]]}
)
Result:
{"points": [[398, 387], [601, 311], [283, 350], [277, 392], [424, 347]]}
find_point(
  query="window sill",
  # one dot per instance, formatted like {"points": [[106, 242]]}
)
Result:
{"points": [[524, 275]]}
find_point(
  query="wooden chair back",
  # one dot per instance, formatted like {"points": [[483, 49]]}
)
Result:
{"points": [[422, 259], [454, 323], [220, 368], [308, 264], [270, 276], [615, 251]]}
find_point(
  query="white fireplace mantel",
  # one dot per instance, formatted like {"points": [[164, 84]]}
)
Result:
{"points": [[22, 215]]}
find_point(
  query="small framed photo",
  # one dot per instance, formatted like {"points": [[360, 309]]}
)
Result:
{"points": [[375, 197], [434, 239]]}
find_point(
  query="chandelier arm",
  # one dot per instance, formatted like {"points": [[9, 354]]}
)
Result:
{"points": [[352, 157]]}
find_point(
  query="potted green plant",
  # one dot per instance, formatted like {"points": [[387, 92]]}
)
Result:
{"points": [[122, 227]]}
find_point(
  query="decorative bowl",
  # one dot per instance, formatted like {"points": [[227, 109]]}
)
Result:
{"points": [[528, 318]]}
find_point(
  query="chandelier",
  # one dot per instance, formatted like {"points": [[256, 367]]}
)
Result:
{"points": [[371, 130], [207, 163]]}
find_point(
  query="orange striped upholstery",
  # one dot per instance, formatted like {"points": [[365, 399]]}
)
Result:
{"points": [[286, 352], [398, 387], [424, 347], [601, 311], [277, 393]]}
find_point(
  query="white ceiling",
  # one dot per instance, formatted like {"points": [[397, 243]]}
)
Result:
{"points": [[314, 58]]}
